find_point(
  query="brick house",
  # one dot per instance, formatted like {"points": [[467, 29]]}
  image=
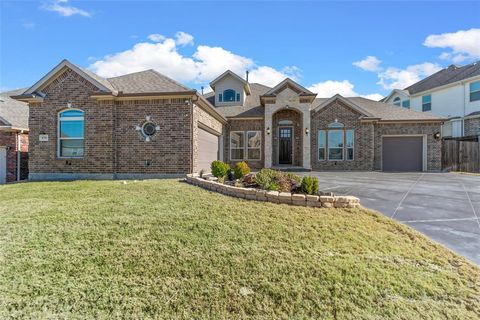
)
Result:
{"points": [[147, 125], [13, 138]]}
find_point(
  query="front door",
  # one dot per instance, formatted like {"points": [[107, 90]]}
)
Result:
{"points": [[285, 145]]}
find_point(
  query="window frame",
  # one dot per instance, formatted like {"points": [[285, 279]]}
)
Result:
{"points": [[399, 100], [324, 144], [59, 133], [342, 131], [475, 91], [242, 148], [404, 102], [220, 97], [237, 96], [229, 91], [353, 145], [427, 103], [247, 148]]}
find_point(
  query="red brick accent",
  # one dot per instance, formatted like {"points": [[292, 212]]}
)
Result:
{"points": [[9, 140]]}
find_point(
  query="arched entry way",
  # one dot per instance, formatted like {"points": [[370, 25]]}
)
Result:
{"points": [[287, 138]]}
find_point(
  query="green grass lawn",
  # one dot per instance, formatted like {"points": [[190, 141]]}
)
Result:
{"points": [[165, 249]]}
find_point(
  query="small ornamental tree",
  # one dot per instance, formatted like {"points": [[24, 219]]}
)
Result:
{"points": [[219, 169], [310, 185], [240, 170]]}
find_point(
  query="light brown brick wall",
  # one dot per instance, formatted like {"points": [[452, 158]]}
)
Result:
{"points": [[363, 138], [244, 125], [434, 147]]}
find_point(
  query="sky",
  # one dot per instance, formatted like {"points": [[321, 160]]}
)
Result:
{"points": [[351, 48]]}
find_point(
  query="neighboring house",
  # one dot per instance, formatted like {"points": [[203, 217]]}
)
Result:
{"points": [[13, 138], [147, 125], [453, 92]]}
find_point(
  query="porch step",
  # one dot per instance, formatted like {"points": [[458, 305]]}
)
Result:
{"points": [[291, 169]]}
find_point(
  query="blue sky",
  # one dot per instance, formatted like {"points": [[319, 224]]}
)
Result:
{"points": [[353, 48]]}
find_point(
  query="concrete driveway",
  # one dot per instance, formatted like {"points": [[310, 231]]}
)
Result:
{"points": [[443, 206]]}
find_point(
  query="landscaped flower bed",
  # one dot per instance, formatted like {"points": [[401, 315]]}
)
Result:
{"points": [[272, 186]]}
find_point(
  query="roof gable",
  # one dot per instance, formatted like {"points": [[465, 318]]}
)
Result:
{"points": [[246, 85], [289, 83], [345, 101], [101, 83]]}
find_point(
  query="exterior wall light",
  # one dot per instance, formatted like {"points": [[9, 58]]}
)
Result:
{"points": [[436, 136], [268, 130], [306, 131]]}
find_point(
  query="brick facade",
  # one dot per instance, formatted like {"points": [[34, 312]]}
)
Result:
{"points": [[114, 148], [472, 127], [363, 138], [244, 125], [10, 140], [298, 135]]}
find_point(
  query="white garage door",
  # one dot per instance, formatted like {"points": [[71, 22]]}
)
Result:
{"points": [[3, 165], [207, 149]]}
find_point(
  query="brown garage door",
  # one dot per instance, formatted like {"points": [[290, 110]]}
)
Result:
{"points": [[402, 154], [207, 149]]}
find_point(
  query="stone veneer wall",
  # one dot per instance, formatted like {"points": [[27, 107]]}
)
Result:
{"points": [[298, 135], [363, 138], [244, 125], [472, 127], [434, 147]]}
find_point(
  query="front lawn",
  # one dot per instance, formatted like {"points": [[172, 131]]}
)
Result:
{"points": [[165, 249]]}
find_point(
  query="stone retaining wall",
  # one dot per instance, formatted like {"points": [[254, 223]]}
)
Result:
{"points": [[275, 196]]}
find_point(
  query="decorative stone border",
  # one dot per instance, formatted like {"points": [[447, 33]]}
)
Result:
{"points": [[275, 196]]}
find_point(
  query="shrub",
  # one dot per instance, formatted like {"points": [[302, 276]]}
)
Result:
{"points": [[249, 179], [269, 179], [310, 185], [241, 169], [219, 169]]}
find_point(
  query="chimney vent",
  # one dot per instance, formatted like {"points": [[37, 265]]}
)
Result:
{"points": [[247, 72]]}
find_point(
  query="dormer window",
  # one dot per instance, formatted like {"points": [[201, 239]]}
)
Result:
{"points": [[229, 95], [397, 102]]}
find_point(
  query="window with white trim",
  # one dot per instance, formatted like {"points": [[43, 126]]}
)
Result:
{"points": [[397, 102], [237, 145], [254, 145], [475, 91], [349, 142], [335, 144], [406, 104], [427, 103], [71, 127]]}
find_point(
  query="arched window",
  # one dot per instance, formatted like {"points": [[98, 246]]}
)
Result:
{"points": [[71, 127], [285, 122], [335, 125], [230, 95], [397, 101]]}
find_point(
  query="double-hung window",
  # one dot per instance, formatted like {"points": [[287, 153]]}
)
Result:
{"points": [[427, 103], [237, 145], [254, 145], [349, 138], [71, 129], [475, 91], [322, 144]]}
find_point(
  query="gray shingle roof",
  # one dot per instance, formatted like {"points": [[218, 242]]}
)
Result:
{"points": [[445, 76], [146, 82], [13, 113], [252, 107]]}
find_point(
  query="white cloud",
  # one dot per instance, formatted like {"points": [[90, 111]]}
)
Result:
{"points": [[464, 44], [329, 88], [183, 38], [156, 37], [62, 8], [202, 66], [370, 63], [394, 78]]}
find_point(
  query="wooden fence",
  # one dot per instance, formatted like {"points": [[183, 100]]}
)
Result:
{"points": [[461, 155]]}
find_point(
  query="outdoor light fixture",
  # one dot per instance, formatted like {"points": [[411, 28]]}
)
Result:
{"points": [[69, 105], [268, 130], [306, 131], [436, 136]]}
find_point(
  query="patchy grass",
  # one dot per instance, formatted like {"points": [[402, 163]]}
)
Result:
{"points": [[165, 249]]}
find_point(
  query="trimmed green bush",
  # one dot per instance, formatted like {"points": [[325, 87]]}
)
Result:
{"points": [[273, 180], [310, 185], [241, 169], [219, 169]]}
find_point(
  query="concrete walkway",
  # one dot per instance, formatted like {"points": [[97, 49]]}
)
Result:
{"points": [[443, 206]]}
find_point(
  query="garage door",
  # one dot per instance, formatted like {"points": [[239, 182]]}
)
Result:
{"points": [[207, 149], [402, 154], [3, 165]]}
